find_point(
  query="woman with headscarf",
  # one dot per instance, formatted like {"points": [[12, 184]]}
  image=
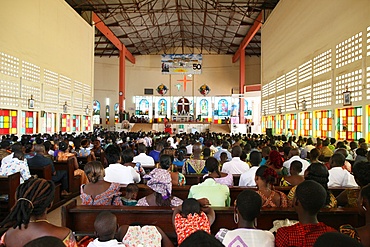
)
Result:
{"points": [[275, 161], [159, 180]]}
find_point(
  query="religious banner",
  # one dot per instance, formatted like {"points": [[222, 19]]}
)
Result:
{"points": [[181, 64]]}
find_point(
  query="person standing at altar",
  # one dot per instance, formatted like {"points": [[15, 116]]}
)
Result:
{"points": [[167, 126]]}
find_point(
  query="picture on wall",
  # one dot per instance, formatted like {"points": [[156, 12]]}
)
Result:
{"points": [[347, 98]]}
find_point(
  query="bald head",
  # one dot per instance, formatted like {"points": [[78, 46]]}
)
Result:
{"points": [[293, 152], [39, 148], [197, 148]]}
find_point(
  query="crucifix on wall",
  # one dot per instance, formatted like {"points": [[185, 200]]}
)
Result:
{"points": [[183, 106], [185, 80]]}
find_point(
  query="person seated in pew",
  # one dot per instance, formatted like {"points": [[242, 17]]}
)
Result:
{"points": [[191, 216], [275, 161], [130, 196], [310, 197], [294, 178], [248, 178], [39, 160], [223, 158], [336, 239], [85, 150], [15, 163], [127, 160], [212, 166], [98, 191], [201, 239], [145, 160], [105, 226], [247, 208], [339, 177], [195, 164], [361, 234], [46, 241], [235, 165], [318, 173], [177, 178], [180, 159], [217, 194], [116, 172], [348, 197], [159, 180], [4, 149], [265, 179], [64, 155], [27, 219]]}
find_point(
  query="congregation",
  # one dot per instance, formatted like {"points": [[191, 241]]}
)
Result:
{"points": [[116, 164]]}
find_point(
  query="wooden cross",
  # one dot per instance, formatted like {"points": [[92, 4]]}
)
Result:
{"points": [[185, 80], [183, 104]]}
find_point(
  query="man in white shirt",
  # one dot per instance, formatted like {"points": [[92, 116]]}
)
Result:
{"points": [[224, 149], [247, 178], [339, 177], [116, 172], [236, 165], [145, 160], [294, 155]]}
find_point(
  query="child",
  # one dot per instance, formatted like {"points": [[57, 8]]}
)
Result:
{"points": [[130, 197], [105, 229], [192, 216]]}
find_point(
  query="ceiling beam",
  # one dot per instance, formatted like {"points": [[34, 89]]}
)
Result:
{"points": [[99, 24], [251, 33]]}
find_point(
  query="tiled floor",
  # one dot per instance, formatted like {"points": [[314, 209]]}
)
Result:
{"points": [[55, 217]]}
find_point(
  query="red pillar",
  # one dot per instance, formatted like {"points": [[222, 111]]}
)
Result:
{"points": [[122, 74], [241, 85]]}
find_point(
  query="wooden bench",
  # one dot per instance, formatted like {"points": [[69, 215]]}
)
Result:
{"points": [[80, 219], [73, 181], [183, 191], [8, 186]]}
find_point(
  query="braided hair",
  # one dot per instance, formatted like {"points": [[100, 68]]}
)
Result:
{"points": [[34, 196]]}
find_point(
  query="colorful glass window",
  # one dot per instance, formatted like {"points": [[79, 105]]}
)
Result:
{"points": [[8, 122], [86, 123], [305, 124], [28, 122], [50, 122], [349, 123], [116, 113], [76, 123], [291, 123], [323, 123], [279, 124], [65, 122], [107, 109], [264, 124]]}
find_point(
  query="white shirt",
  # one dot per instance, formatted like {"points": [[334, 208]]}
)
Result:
{"points": [[246, 237], [338, 177], [305, 164], [189, 149], [247, 178], [97, 243], [117, 173], [235, 166], [145, 160]]}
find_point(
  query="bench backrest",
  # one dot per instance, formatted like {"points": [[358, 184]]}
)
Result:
{"points": [[42, 172], [8, 186]]}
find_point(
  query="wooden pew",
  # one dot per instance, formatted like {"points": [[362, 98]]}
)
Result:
{"points": [[80, 219], [8, 186], [183, 191], [73, 181]]}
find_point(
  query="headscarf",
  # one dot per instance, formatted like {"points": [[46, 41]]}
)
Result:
{"points": [[275, 159], [160, 181]]}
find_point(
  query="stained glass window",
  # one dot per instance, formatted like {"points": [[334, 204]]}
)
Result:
{"points": [[279, 124], [107, 109], [86, 123], [8, 122], [50, 122], [76, 123], [65, 122], [291, 123], [264, 124], [349, 123], [28, 122], [305, 124], [116, 113], [323, 123]]}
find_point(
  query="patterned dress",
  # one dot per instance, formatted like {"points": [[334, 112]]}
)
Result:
{"points": [[109, 197], [146, 236], [15, 165], [192, 223], [350, 231], [192, 166], [175, 201], [269, 203]]}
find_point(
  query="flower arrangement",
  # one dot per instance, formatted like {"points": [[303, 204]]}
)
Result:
{"points": [[162, 89], [204, 89]]}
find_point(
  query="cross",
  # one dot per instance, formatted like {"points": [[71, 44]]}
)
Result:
{"points": [[184, 81], [183, 104], [178, 85]]}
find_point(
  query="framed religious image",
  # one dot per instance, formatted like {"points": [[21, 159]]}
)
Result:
{"points": [[31, 103], [347, 98]]}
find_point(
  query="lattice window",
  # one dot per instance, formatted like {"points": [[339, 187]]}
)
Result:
{"points": [[30, 72], [322, 93], [27, 91], [280, 104], [265, 106], [280, 83], [9, 102], [87, 102], [86, 90], [349, 50], [77, 101], [51, 100], [368, 83], [291, 78], [305, 72], [51, 78], [65, 82], [272, 105], [322, 63], [78, 87], [265, 90], [291, 101], [9, 65], [305, 94], [272, 87], [351, 81], [9, 89], [368, 41], [64, 97]]}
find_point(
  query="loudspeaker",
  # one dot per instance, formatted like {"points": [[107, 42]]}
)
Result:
{"points": [[269, 132]]}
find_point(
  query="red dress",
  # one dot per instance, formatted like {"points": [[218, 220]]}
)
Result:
{"points": [[192, 223], [300, 235]]}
